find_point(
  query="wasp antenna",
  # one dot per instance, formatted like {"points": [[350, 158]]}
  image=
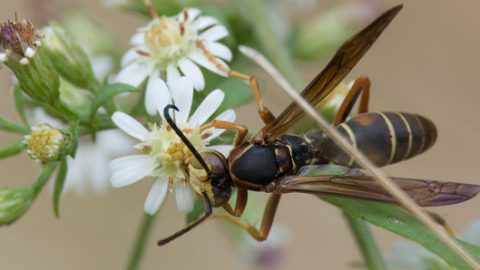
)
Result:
{"points": [[208, 212], [184, 139]]}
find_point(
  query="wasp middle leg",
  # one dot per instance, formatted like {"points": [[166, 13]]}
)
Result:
{"points": [[261, 233], [264, 112]]}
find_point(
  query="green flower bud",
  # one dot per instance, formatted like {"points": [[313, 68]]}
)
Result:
{"points": [[20, 51], [14, 202], [46, 143], [69, 58]]}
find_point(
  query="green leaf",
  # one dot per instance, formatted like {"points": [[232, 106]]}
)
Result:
{"points": [[11, 149], [106, 93], [20, 104], [396, 220], [9, 125], [73, 131], [59, 184], [197, 211]]}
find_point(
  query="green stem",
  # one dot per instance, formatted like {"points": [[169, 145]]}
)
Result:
{"points": [[364, 238], [141, 241], [43, 177], [272, 46]]}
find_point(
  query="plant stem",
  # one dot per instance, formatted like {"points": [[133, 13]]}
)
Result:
{"points": [[142, 236], [43, 177], [371, 254], [272, 46]]}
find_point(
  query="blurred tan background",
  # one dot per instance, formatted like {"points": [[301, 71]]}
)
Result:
{"points": [[427, 61]]}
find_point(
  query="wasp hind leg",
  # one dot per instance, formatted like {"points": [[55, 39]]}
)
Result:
{"points": [[268, 216], [360, 86]]}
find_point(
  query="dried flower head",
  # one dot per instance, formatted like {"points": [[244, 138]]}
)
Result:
{"points": [[18, 41]]}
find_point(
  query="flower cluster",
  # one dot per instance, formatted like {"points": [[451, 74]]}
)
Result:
{"points": [[163, 155]]}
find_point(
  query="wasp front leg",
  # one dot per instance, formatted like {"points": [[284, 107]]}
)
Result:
{"points": [[360, 86], [241, 130]]}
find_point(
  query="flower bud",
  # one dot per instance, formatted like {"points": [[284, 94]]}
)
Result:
{"points": [[20, 51], [68, 57], [14, 202], [46, 143]]}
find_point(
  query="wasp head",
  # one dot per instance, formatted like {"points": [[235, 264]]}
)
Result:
{"points": [[215, 182]]}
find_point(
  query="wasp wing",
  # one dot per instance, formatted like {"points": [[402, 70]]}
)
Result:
{"points": [[344, 60], [354, 183]]}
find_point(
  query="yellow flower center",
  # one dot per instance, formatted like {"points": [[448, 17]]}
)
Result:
{"points": [[165, 145], [169, 39], [45, 143]]}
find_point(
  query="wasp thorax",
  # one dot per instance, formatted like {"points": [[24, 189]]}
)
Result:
{"points": [[217, 185]]}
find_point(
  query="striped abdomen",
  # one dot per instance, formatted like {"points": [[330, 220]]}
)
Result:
{"points": [[385, 138]]}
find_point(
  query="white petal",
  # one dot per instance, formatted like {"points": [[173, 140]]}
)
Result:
{"points": [[133, 74], [192, 72], [204, 22], [203, 61], [227, 116], [215, 33], [156, 196], [130, 169], [182, 96], [172, 75], [219, 50], [192, 14], [223, 149], [138, 39], [129, 56], [206, 109], [184, 198], [129, 125], [157, 96]]}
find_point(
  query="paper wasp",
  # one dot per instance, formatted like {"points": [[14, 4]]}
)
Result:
{"points": [[275, 162]]}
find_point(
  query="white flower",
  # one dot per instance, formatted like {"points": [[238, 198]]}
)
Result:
{"points": [[163, 155], [170, 46]]}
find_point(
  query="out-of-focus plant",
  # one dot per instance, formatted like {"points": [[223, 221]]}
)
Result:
{"points": [[72, 90]]}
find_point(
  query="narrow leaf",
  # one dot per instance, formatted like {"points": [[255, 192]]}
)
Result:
{"points": [[58, 188], [396, 220], [107, 92], [9, 125], [11, 149]]}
